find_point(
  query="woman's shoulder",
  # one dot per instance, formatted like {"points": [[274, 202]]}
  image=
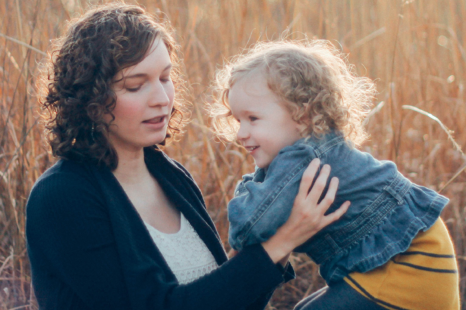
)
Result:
{"points": [[65, 170], [66, 178]]}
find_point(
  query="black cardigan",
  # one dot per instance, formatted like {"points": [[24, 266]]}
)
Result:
{"points": [[89, 248]]}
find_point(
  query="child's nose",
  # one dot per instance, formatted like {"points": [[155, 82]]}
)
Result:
{"points": [[242, 133]]}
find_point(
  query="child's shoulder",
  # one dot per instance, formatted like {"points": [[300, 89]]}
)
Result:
{"points": [[325, 141], [313, 147], [334, 149]]}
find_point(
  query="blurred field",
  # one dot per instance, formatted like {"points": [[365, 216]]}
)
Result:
{"points": [[415, 50]]}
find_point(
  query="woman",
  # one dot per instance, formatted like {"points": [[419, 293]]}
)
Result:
{"points": [[115, 223]]}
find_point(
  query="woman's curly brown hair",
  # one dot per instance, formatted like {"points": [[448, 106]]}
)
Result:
{"points": [[311, 78], [76, 85]]}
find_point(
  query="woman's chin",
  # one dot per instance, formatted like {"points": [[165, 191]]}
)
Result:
{"points": [[137, 144], [152, 143], [157, 141], [152, 138]]}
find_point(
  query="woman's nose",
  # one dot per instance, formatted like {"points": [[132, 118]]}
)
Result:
{"points": [[159, 96]]}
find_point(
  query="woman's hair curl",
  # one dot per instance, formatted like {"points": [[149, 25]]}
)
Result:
{"points": [[76, 84]]}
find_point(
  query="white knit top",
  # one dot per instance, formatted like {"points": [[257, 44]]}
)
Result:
{"points": [[185, 253]]}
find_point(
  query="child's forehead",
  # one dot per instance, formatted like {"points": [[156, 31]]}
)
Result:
{"points": [[253, 84], [251, 95]]}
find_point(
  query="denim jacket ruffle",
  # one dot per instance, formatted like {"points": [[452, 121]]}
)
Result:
{"points": [[387, 211]]}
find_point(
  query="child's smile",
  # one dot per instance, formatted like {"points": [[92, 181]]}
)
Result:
{"points": [[251, 148], [266, 125]]}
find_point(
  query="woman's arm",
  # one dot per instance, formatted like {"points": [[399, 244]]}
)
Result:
{"points": [[75, 259], [71, 247], [76, 262], [308, 215]]}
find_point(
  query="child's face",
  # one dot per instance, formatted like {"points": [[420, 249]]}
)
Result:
{"points": [[266, 125]]}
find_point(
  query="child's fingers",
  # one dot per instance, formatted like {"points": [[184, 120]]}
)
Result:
{"points": [[319, 185], [307, 178]]}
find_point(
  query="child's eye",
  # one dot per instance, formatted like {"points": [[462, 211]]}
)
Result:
{"points": [[253, 118]]}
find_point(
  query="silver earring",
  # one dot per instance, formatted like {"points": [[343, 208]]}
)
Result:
{"points": [[92, 132]]}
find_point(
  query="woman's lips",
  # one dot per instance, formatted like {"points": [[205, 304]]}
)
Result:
{"points": [[156, 122]]}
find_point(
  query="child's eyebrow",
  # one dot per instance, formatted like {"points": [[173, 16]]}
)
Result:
{"points": [[247, 111]]}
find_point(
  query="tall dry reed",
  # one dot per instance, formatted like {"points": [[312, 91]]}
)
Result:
{"points": [[414, 49]]}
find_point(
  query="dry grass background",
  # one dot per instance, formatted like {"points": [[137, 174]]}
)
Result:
{"points": [[415, 50]]}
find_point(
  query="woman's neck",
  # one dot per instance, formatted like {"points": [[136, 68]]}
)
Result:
{"points": [[131, 167]]}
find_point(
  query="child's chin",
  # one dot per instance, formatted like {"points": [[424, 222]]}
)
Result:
{"points": [[260, 165]]}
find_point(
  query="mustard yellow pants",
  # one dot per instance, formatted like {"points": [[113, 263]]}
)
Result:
{"points": [[425, 277]]}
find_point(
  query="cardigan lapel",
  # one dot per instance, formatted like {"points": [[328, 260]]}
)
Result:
{"points": [[131, 235], [142, 263], [138, 253], [185, 195]]}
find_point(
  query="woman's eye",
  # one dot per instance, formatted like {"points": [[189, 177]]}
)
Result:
{"points": [[253, 118], [133, 89], [165, 80]]}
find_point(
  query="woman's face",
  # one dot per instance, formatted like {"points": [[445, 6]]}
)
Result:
{"points": [[144, 102]]}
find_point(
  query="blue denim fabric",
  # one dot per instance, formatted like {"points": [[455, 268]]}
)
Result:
{"points": [[340, 296], [386, 213]]}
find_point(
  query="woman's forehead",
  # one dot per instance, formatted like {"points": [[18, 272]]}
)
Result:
{"points": [[156, 60]]}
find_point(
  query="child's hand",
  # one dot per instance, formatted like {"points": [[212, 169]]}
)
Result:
{"points": [[307, 216]]}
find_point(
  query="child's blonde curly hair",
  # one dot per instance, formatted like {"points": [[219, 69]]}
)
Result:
{"points": [[311, 78]]}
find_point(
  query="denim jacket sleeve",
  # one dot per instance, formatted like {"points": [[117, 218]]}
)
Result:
{"points": [[263, 200]]}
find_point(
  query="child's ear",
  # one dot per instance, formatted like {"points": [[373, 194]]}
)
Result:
{"points": [[301, 128]]}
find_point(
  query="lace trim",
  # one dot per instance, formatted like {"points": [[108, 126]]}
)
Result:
{"points": [[185, 253]]}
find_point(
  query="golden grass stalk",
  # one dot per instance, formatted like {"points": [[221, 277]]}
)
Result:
{"points": [[415, 50]]}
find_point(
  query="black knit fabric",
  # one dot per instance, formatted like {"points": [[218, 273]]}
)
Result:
{"points": [[89, 248]]}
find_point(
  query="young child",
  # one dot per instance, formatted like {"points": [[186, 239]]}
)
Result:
{"points": [[290, 102]]}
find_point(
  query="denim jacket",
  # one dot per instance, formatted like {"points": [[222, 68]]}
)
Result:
{"points": [[386, 213]]}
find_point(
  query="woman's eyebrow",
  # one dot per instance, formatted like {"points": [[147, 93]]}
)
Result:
{"points": [[138, 75]]}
